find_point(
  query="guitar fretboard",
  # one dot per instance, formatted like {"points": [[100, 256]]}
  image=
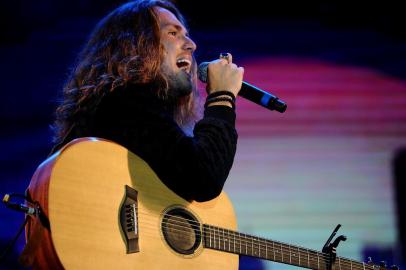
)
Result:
{"points": [[244, 244]]}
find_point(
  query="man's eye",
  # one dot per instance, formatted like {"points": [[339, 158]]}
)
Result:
{"points": [[173, 33]]}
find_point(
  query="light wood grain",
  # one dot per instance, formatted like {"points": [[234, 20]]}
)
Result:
{"points": [[86, 190]]}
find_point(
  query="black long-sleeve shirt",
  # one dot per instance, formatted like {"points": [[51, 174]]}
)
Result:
{"points": [[193, 167]]}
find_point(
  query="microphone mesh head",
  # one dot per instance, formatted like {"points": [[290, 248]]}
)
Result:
{"points": [[202, 71]]}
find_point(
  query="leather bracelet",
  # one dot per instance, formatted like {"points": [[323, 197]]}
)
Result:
{"points": [[221, 93], [217, 99]]}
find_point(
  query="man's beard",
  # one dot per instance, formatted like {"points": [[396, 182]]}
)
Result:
{"points": [[179, 83]]}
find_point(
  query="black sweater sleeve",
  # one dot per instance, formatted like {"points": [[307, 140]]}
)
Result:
{"points": [[194, 167]]}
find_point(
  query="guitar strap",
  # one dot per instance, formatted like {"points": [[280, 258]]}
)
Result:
{"points": [[37, 226], [34, 236], [39, 252]]}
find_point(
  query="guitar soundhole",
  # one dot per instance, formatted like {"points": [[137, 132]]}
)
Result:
{"points": [[181, 230]]}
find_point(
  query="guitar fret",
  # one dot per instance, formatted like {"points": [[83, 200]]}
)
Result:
{"points": [[219, 238], [266, 250], [259, 247], [223, 235], [308, 259], [295, 253], [273, 249], [224, 240], [218, 241], [246, 245], [213, 236], [239, 234], [290, 255], [252, 246], [205, 236], [281, 253], [214, 239], [211, 245], [228, 239], [313, 259], [302, 257], [208, 233], [298, 252], [234, 242], [249, 245], [278, 254], [213, 232], [240, 244]]}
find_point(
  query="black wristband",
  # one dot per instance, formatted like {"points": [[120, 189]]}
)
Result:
{"points": [[221, 93], [217, 99]]}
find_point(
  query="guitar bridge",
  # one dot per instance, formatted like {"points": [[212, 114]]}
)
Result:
{"points": [[129, 220]]}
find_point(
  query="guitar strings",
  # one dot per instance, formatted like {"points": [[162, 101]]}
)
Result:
{"points": [[312, 262], [196, 225], [262, 243]]}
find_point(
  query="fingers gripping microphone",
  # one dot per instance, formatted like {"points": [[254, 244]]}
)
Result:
{"points": [[250, 92]]}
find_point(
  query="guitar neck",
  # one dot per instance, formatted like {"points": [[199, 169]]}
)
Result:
{"points": [[234, 242]]}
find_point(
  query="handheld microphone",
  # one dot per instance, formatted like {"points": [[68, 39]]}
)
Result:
{"points": [[250, 92]]}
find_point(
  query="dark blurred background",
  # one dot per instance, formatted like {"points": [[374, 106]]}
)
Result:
{"points": [[39, 41]]}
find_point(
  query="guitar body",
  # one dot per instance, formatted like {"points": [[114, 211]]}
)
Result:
{"points": [[84, 197], [102, 207]]}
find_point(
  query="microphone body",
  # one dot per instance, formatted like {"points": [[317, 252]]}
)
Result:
{"points": [[250, 92]]}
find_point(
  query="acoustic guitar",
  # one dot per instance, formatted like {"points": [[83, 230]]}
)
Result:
{"points": [[107, 209]]}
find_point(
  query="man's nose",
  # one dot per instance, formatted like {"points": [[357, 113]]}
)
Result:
{"points": [[189, 44]]}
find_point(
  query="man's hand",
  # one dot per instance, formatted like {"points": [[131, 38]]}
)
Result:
{"points": [[224, 75]]}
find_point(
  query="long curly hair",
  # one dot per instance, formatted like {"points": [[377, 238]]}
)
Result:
{"points": [[124, 47]]}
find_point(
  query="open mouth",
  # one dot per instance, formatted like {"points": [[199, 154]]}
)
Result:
{"points": [[184, 64]]}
